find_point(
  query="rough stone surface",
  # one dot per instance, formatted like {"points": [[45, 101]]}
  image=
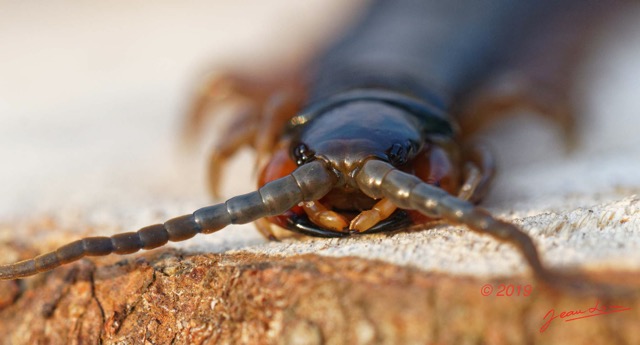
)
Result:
{"points": [[171, 297], [88, 145]]}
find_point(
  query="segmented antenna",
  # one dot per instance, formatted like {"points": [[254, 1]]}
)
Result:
{"points": [[380, 179], [309, 182]]}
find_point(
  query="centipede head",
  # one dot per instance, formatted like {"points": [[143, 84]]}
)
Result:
{"points": [[346, 135]]}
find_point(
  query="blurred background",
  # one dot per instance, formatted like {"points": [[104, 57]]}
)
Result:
{"points": [[92, 95]]}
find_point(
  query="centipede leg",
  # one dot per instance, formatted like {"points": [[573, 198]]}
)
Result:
{"points": [[279, 108], [240, 133], [479, 169], [265, 228], [257, 127], [471, 182], [218, 90], [540, 76], [324, 217], [503, 95], [382, 210], [263, 104]]}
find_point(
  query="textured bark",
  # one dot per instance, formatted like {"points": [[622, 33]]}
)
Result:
{"points": [[167, 297]]}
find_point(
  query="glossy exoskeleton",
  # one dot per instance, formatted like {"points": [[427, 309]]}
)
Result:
{"points": [[373, 137]]}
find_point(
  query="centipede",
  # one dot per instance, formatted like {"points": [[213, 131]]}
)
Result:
{"points": [[377, 134]]}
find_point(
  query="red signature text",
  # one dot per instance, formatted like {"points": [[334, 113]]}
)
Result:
{"points": [[572, 315]]}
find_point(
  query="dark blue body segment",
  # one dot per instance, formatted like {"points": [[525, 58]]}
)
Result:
{"points": [[434, 50], [345, 141], [391, 90]]}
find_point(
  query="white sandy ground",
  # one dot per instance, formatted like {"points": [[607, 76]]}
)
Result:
{"points": [[91, 97]]}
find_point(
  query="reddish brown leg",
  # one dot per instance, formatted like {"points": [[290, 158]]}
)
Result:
{"points": [[279, 108], [324, 217], [265, 228], [367, 219], [223, 89], [478, 172], [472, 180], [500, 96], [256, 127], [241, 132], [439, 165], [263, 106], [540, 76]]}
